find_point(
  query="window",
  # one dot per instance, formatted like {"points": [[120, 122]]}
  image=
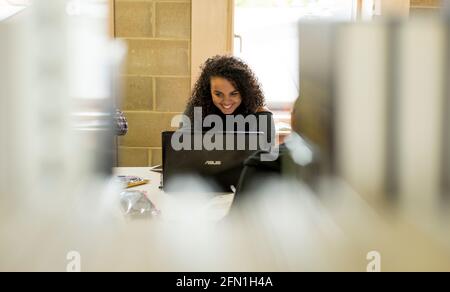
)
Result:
{"points": [[267, 39]]}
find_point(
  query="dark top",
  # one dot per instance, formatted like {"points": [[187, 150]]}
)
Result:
{"points": [[264, 123]]}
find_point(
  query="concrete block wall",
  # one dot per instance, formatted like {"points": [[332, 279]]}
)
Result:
{"points": [[426, 3], [427, 7], [157, 77]]}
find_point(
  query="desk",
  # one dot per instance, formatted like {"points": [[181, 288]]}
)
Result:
{"points": [[172, 206]]}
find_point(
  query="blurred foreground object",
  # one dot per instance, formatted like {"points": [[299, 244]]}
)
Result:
{"points": [[375, 99], [57, 75]]}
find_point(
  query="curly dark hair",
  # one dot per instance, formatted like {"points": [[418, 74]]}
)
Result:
{"points": [[235, 71]]}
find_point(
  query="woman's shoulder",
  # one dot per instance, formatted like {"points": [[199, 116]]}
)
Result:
{"points": [[263, 110]]}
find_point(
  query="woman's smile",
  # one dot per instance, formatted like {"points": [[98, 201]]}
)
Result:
{"points": [[225, 96]]}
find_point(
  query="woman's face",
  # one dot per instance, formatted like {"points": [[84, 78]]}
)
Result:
{"points": [[224, 95]]}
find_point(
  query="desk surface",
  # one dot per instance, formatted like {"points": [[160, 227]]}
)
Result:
{"points": [[173, 206]]}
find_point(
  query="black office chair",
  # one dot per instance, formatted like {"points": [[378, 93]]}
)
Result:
{"points": [[259, 178]]}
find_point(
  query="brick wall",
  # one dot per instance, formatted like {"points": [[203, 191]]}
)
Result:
{"points": [[426, 3], [157, 77], [425, 7]]}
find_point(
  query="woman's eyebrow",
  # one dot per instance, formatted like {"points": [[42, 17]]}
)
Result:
{"points": [[218, 91]]}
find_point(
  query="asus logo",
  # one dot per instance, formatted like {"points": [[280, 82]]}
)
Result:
{"points": [[213, 163]]}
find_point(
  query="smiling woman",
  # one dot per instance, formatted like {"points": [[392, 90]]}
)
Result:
{"points": [[226, 90], [228, 87]]}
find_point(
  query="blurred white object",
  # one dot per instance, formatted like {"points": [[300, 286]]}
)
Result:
{"points": [[8, 11], [361, 106], [9, 8], [50, 170]]}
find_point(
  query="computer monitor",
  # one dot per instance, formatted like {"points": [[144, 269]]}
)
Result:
{"points": [[215, 159]]}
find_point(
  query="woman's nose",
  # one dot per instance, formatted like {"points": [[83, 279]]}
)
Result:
{"points": [[228, 98]]}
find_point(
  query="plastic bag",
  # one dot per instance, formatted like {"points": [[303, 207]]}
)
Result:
{"points": [[137, 203]]}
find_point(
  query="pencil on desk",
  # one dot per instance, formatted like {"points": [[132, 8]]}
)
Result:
{"points": [[139, 183]]}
